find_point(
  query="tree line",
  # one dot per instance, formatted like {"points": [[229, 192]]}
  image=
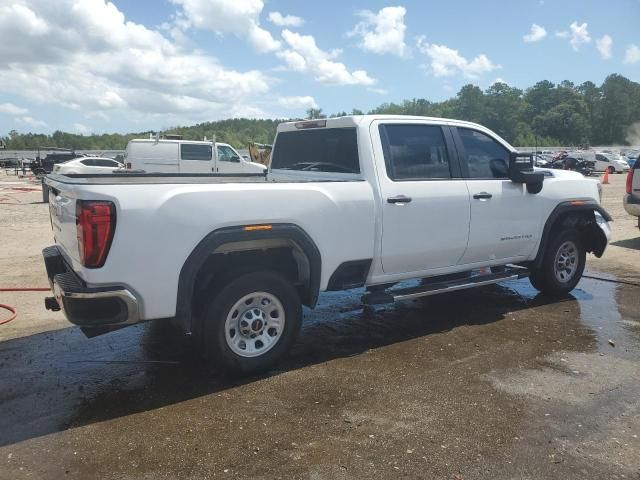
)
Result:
{"points": [[544, 114]]}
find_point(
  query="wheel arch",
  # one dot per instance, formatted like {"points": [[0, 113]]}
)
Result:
{"points": [[579, 213], [244, 239]]}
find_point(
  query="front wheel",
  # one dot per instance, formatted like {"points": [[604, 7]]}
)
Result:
{"points": [[252, 322], [612, 170], [562, 264]]}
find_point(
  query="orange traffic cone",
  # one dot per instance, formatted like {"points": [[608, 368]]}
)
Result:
{"points": [[605, 179]]}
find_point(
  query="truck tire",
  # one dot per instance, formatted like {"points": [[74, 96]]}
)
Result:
{"points": [[252, 322], [562, 264]]}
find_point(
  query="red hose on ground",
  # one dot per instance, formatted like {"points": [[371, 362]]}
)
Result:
{"points": [[12, 310], [25, 289], [18, 289]]}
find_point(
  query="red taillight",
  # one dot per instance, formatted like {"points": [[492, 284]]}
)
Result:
{"points": [[95, 222], [630, 180]]}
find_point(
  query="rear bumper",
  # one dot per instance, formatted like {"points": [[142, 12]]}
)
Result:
{"points": [[631, 204], [87, 306]]}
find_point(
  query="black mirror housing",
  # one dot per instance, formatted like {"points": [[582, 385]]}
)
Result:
{"points": [[521, 171]]}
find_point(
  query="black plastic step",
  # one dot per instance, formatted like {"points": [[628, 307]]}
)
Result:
{"points": [[511, 272]]}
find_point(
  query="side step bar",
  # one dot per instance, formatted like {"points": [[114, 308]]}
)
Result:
{"points": [[511, 272]]}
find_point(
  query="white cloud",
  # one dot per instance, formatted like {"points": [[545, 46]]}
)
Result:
{"points": [[32, 122], [12, 109], [447, 61], [604, 45], [81, 129], [382, 32], [379, 91], [632, 54], [296, 103], [303, 55], [578, 35], [86, 56], [285, 20], [536, 33], [499, 80], [236, 17]]}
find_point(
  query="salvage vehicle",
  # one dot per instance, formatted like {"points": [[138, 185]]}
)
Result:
{"points": [[372, 201], [631, 199], [174, 155]]}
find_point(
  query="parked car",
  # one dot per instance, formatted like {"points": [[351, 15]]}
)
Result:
{"points": [[87, 165], [631, 199], [358, 201], [43, 165], [186, 156], [585, 167], [612, 162]]}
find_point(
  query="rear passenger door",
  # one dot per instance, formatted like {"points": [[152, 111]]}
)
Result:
{"points": [[425, 202], [196, 158], [505, 218]]}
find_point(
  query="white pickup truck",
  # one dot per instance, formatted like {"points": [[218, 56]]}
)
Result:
{"points": [[362, 201]]}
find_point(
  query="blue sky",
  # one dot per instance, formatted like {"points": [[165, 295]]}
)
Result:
{"points": [[93, 66]]}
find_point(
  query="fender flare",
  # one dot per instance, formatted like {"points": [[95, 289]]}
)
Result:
{"points": [[222, 236], [570, 206]]}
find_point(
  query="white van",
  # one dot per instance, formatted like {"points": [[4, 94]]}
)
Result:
{"points": [[186, 156]]}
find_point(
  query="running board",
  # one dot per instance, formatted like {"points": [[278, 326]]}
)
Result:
{"points": [[511, 272]]}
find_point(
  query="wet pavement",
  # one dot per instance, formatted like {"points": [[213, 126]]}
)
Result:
{"points": [[496, 382]]}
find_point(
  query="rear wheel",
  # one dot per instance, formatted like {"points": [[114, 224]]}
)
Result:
{"points": [[252, 322], [562, 265], [612, 170]]}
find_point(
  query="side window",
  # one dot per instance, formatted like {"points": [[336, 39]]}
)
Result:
{"points": [[226, 154], [484, 156], [191, 151], [414, 152], [106, 163], [88, 162]]}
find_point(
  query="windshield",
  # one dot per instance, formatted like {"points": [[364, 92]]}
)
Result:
{"points": [[317, 150]]}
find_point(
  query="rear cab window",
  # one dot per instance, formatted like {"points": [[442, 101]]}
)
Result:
{"points": [[331, 150]]}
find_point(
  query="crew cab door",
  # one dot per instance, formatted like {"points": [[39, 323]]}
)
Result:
{"points": [[424, 202], [197, 158], [505, 218]]}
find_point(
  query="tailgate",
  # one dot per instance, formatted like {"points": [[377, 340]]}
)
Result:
{"points": [[62, 211]]}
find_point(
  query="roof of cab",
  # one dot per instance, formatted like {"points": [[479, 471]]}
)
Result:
{"points": [[355, 120], [363, 120]]}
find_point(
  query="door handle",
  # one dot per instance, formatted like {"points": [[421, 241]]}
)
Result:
{"points": [[482, 196], [399, 199]]}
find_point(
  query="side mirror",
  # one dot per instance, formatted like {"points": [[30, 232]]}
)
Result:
{"points": [[235, 159], [521, 171]]}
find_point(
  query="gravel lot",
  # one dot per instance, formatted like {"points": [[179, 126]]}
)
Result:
{"points": [[497, 383]]}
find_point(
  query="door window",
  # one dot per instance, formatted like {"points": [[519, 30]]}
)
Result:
{"points": [[226, 154], [106, 163], [414, 152], [191, 151], [88, 162], [485, 157]]}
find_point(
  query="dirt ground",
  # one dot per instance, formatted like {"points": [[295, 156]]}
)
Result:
{"points": [[494, 383]]}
